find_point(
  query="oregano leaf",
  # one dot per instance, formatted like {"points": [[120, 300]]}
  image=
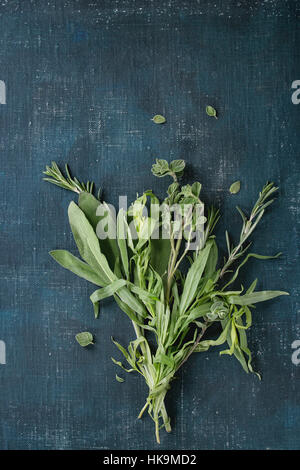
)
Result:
{"points": [[235, 187], [85, 338], [119, 379], [158, 119], [211, 111]]}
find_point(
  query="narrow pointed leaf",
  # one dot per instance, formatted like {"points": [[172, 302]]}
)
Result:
{"points": [[122, 241], [89, 205], [193, 278], [105, 292], [255, 297], [76, 266]]}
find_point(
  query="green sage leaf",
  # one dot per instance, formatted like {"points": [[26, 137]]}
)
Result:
{"points": [[76, 266], [88, 244], [90, 206]]}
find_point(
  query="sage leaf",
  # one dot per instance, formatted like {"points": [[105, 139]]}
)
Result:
{"points": [[193, 278], [211, 111], [235, 187], [88, 243], [158, 119], [76, 266], [160, 254], [85, 338], [91, 207]]}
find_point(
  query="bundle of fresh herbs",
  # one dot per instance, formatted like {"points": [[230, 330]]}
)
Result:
{"points": [[160, 263]]}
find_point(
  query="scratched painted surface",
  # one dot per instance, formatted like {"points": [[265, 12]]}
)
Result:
{"points": [[82, 81]]}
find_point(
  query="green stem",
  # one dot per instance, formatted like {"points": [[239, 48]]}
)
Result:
{"points": [[147, 373], [143, 409], [171, 271], [157, 431], [166, 418]]}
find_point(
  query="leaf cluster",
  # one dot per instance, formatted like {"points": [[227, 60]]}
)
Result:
{"points": [[171, 308]]}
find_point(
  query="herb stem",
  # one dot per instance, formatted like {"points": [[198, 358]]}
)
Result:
{"points": [[192, 349], [165, 418], [157, 431], [143, 409]]}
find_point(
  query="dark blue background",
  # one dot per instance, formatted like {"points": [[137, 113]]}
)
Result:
{"points": [[83, 82]]}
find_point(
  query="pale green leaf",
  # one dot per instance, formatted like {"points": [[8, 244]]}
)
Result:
{"points": [[193, 278], [90, 205], [255, 297], [85, 338], [105, 292], [235, 187], [158, 119], [76, 266], [122, 242], [88, 244], [211, 111]]}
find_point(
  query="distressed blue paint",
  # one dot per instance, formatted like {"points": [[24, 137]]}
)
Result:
{"points": [[83, 82]]}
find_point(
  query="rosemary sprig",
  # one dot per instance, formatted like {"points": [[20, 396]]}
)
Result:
{"points": [[72, 184]]}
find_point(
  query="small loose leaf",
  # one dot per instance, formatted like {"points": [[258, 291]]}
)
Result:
{"points": [[119, 379], [211, 111], [85, 338], [158, 119], [235, 187]]}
